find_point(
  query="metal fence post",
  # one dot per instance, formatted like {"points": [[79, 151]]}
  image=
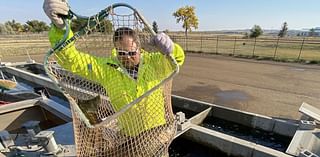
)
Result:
{"points": [[173, 38], [234, 46], [254, 46], [275, 51], [201, 43], [301, 49], [217, 44], [186, 42]]}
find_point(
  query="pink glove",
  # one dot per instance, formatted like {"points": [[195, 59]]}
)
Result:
{"points": [[164, 43], [54, 8]]}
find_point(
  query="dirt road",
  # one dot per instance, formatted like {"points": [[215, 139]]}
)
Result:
{"points": [[268, 88]]}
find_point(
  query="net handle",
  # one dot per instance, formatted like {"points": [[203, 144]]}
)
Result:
{"points": [[93, 21]]}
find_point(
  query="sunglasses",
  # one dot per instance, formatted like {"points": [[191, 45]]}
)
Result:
{"points": [[123, 53]]}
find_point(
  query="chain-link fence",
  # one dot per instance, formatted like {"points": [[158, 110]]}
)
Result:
{"points": [[13, 45], [272, 48]]}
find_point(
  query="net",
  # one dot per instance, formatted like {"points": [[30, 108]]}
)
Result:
{"points": [[118, 85]]}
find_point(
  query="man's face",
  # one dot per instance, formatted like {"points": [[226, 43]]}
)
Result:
{"points": [[128, 52]]}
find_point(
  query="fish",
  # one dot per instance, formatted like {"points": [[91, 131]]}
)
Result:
{"points": [[7, 84], [90, 109]]}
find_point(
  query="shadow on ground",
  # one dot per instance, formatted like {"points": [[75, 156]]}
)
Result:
{"points": [[230, 98]]}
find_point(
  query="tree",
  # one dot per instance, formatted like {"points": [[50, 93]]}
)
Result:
{"points": [[3, 29], [27, 28], [8, 27], [155, 26], [13, 27], [312, 32], [255, 31], [36, 26], [104, 26], [187, 16], [43, 26], [246, 35], [284, 30], [76, 24]]}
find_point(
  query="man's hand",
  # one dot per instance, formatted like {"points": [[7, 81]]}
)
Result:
{"points": [[164, 43], [54, 9]]}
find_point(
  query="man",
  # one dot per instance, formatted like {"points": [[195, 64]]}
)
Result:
{"points": [[126, 75]]}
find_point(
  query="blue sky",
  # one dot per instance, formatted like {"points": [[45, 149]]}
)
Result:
{"points": [[212, 14]]}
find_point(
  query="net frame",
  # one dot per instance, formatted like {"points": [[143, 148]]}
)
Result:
{"points": [[95, 143]]}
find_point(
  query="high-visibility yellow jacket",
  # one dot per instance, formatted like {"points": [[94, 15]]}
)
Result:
{"points": [[138, 118]]}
